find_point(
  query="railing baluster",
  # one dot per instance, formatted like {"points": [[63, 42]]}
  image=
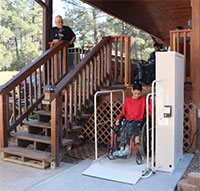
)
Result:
{"points": [[121, 60], [56, 67], [92, 78], [79, 92], [75, 99], [109, 62], [48, 72], [70, 103], [40, 83], [95, 73], [104, 63], [30, 90], [44, 75], [60, 67], [177, 42], [35, 85], [116, 60], [99, 71], [88, 83], [102, 68], [19, 100], [25, 95], [13, 105], [84, 88], [64, 60], [52, 71], [66, 110]]}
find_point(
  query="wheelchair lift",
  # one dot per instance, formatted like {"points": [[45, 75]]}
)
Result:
{"points": [[166, 131]]}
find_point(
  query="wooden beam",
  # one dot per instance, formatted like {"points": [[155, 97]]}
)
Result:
{"points": [[195, 52], [48, 21], [3, 120], [56, 122]]}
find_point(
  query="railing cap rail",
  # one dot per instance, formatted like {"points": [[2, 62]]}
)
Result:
{"points": [[180, 31]]}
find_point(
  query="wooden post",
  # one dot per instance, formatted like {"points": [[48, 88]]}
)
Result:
{"points": [[127, 61], [56, 122], [48, 20], [195, 52], [4, 120], [109, 62]]}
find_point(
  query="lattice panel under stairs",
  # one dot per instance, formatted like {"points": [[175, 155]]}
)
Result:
{"points": [[103, 116], [189, 127]]}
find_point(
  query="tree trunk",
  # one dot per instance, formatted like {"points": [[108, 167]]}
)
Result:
{"points": [[17, 51], [134, 46], [95, 25]]}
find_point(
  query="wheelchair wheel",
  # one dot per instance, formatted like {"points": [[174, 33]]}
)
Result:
{"points": [[116, 142], [144, 140], [139, 158]]}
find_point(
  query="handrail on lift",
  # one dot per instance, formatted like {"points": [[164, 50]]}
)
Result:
{"points": [[95, 111], [147, 131]]}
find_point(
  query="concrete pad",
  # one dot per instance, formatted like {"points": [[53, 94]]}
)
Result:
{"points": [[18, 177], [71, 179]]}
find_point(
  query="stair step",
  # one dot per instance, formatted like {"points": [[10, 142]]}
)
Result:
{"points": [[85, 115], [48, 113], [66, 142], [35, 123], [76, 128], [32, 137], [38, 138], [29, 157]]}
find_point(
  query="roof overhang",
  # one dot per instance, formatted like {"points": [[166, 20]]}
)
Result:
{"points": [[156, 17]]}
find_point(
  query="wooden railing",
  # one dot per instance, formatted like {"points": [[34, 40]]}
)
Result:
{"points": [[74, 92], [121, 47], [180, 42], [23, 93], [77, 88]]}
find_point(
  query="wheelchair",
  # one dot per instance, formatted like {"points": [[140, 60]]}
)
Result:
{"points": [[115, 141], [145, 72]]}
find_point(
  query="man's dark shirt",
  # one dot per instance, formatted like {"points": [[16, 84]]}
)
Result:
{"points": [[65, 33]]}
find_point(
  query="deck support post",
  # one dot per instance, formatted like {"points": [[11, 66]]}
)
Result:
{"points": [[4, 113], [195, 52], [56, 123]]}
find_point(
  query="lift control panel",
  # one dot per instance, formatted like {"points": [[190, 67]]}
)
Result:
{"points": [[167, 111]]}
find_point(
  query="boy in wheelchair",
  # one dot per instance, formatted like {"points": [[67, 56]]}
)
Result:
{"points": [[134, 112]]}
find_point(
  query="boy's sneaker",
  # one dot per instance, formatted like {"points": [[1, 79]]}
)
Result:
{"points": [[125, 152], [122, 148]]}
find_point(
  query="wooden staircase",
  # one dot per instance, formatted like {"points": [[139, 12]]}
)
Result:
{"points": [[59, 119], [33, 144]]}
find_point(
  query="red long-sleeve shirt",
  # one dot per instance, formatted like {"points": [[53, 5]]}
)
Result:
{"points": [[134, 109]]}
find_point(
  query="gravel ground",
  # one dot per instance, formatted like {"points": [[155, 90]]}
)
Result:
{"points": [[194, 166]]}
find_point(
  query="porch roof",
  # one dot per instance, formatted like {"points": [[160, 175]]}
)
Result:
{"points": [[156, 17]]}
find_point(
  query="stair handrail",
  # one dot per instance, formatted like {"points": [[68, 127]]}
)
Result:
{"points": [[29, 69], [21, 104], [69, 77]]}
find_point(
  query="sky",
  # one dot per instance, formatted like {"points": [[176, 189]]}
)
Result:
{"points": [[58, 8]]}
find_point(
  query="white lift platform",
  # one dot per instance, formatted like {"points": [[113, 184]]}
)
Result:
{"points": [[168, 154]]}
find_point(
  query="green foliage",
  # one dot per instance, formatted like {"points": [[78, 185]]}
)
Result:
{"points": [[91, 25], [20, 33]]}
